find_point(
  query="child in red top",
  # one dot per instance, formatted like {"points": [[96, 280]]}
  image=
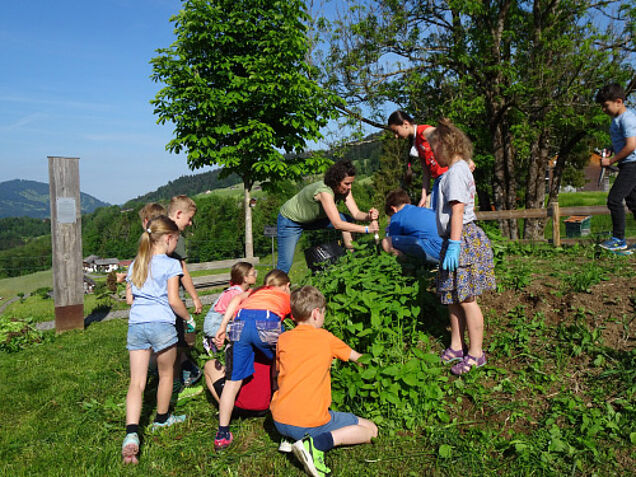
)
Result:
{"points": [[403, 127], [256, 327]]}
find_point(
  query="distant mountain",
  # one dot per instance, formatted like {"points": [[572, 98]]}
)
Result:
{"points": [[21, 198]]}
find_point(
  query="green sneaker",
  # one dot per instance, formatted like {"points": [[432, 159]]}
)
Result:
{"points": [[189, 392], [169, 422], [313, 460]]}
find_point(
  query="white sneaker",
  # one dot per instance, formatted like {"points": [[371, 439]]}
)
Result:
{"points": [[285, 446]]}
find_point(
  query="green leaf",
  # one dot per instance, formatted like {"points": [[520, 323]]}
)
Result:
{"points": [[445, 451]]}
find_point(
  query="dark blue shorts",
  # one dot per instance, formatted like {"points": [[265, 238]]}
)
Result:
{"points": [[251, 330]]}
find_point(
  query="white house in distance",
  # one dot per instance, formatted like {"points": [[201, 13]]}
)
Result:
{"points": [[93, 263]]}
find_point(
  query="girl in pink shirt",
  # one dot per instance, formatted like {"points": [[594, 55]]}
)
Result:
{"points": [[242, 276]]}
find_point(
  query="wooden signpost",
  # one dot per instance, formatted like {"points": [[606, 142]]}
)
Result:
{"points": [[66, 238]]}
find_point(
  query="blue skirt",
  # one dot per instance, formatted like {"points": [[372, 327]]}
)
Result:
{"points": [[475, 273]]}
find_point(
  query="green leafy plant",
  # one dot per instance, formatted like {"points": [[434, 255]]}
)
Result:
{"points": [[379, 310], [17, 334]]}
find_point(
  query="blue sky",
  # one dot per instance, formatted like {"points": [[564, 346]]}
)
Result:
{"points": [[76, 82]]}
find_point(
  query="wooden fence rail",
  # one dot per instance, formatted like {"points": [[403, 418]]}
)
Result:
{"points": [[553, 210]]}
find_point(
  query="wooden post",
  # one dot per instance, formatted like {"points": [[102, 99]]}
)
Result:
{"points": [[66, 238], [556, 224]]}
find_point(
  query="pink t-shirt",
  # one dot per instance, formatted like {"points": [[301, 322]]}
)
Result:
{"points": [[226, 298]]}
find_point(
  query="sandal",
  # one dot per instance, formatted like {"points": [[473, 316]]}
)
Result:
{"points": [[449, 355], [469, 362], [130, 448]]}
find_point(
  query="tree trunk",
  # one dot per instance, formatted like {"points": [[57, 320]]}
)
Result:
{"points": [[249, 243], [535, 194]]}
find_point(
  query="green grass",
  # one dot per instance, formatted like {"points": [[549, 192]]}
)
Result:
{"points": [[553, 397], [10, 287]]}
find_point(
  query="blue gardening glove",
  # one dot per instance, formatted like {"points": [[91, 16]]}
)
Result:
{"points": [[451, 259], [190, 325]]}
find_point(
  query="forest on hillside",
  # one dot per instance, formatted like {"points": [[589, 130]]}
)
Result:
{"points": [[217, 233]]}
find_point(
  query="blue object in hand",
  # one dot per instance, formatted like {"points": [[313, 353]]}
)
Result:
{"points": [[451, 259]]}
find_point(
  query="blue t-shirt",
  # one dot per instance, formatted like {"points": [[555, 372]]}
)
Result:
{"points": [[418, 222], [621, 128], [151, 303]]}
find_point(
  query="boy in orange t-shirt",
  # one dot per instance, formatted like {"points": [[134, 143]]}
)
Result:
{"points": [[300, 406]]}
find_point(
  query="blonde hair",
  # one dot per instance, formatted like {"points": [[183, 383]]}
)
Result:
{"points": [[276, 278], [155, 229], [304, 300], [150, 211], [181, 203], [239, 272], [451, 140]]}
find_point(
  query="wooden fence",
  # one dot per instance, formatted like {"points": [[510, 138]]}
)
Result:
{"points": [[553, 210], [218, 279]]}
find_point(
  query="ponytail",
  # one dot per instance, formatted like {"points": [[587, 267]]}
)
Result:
{"points": [[155, 229]]}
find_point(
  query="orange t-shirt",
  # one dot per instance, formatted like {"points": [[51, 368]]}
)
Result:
{"points": [[269, 298], [303, 360]]}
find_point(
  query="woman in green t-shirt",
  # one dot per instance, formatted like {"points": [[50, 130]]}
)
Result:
{"points": [[314, 207]]}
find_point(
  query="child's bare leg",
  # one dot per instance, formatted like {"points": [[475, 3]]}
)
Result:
{"points": [[347, 239], [165, 366], [458, 325], [138, 373], [213, 371], [475, 324], [361, 433], [226, 404]]}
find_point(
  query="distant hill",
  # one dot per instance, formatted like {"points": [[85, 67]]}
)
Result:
{"points": [[189, 185], [365, 155], [21, 198]]}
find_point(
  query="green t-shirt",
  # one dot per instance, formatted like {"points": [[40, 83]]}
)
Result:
{"points": [[304, 207], [180, 251]]}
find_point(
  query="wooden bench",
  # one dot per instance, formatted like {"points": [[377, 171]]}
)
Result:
{"points": [[219, 279]]}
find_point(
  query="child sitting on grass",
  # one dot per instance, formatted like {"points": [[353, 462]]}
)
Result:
{"points": [[300, 406], [242, 276]]}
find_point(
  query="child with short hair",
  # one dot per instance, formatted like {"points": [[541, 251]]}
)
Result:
{"points": [[242, 276], [467, 261], [256, 327], [150, 211], [623, 134], [412, 230], [153, 293], [300, 406]]}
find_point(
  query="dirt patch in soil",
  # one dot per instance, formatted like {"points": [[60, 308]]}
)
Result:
{"points": [[609, 304]]}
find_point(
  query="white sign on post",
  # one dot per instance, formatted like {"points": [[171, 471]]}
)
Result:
{"points": [[66, 210]]}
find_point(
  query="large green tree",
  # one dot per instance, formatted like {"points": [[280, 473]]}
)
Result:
{"points": [[240, 93], [518, 76]]}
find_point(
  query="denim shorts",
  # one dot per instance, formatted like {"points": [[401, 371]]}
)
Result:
{"points": [[338, 421], [158, 336], [251, 331]]}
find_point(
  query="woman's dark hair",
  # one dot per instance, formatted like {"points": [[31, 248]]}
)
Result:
{"points": [[337, 172], [397, 118]]}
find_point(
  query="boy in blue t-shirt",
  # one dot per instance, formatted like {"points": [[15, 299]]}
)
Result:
{"points": [[412, 231], [623, 134]]}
